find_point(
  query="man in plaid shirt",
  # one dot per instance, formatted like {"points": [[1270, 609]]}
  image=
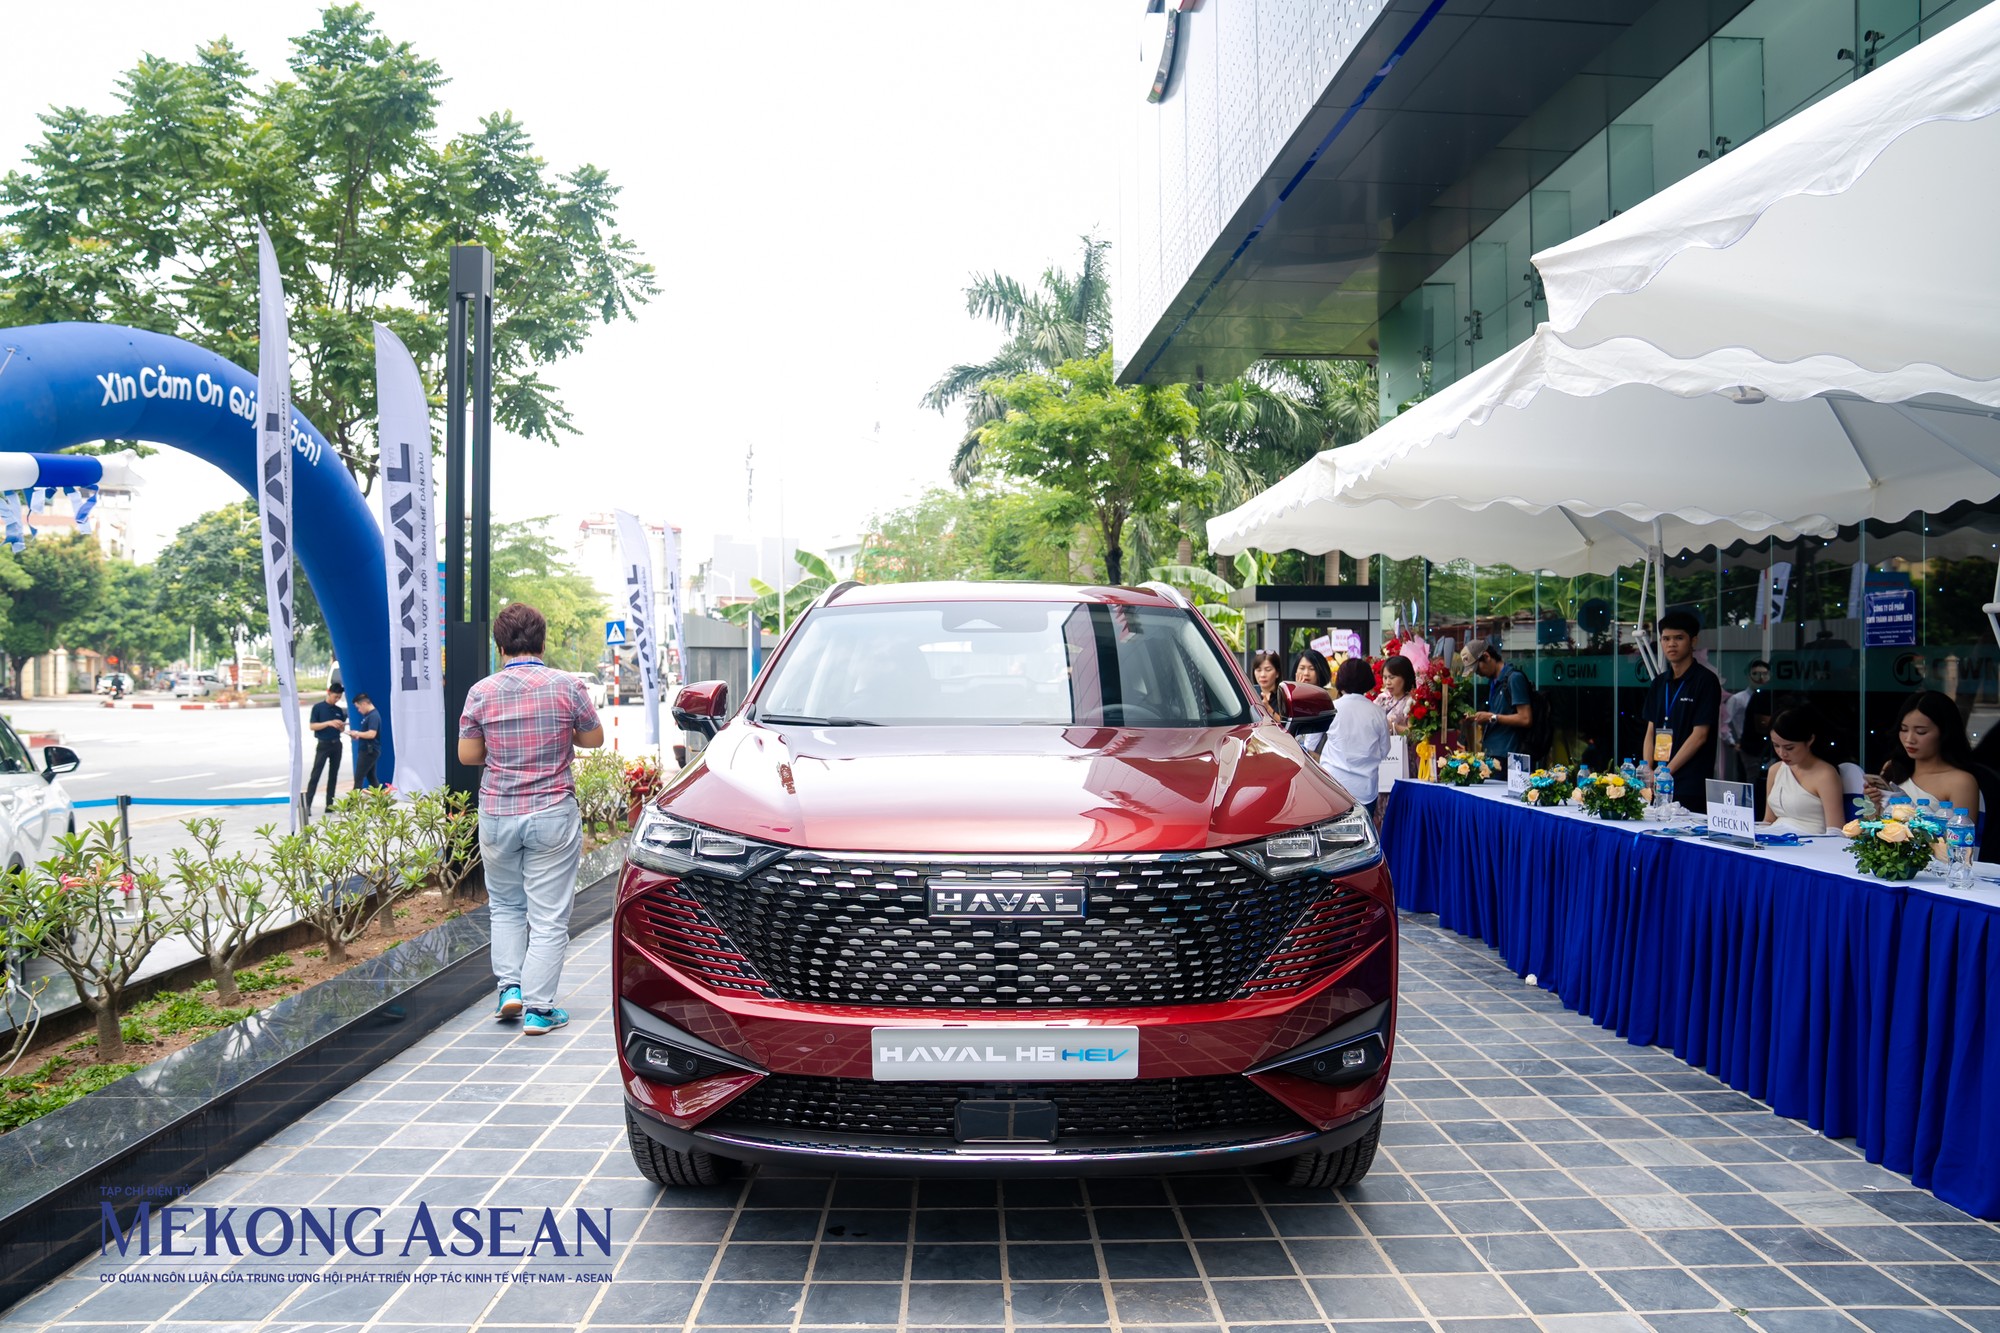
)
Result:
{"points": [[524, 723]]}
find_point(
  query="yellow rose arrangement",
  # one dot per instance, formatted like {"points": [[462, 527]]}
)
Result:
{"points": [[1610, 796], [1895, 844]]}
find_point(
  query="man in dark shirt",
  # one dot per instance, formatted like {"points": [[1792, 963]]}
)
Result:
{"points": [[1509, 710], [327, 722], [1683, 713], [367, 734]]}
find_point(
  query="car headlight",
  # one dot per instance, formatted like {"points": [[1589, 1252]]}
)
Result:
{"points": [[1339, 845], [676, 847]]}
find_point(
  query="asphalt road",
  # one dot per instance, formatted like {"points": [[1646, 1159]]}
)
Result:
{"points": [[168, 752]]}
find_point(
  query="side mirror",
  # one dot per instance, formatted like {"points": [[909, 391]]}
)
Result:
{"points": [[702, 707], [57, 760], [1308, 708]]}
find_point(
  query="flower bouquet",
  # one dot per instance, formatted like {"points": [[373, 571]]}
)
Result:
{"points": [[1430, 701], [642, 784], [1462, 769], [1549, 786], [1895, 843], [1610, 796]]}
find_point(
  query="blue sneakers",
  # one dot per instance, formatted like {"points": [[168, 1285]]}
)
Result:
{"points": [[508, 1006], [540, 1021]]}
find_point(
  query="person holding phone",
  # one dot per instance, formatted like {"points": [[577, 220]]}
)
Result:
{"points": [[1934, 758]]}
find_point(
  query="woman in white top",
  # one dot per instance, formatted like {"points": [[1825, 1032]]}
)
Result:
{"points": [[1935, 761], [1358, 740], [1802, 790]]}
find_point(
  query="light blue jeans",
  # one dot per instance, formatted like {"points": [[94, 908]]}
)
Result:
{"points": [[531, 863]]}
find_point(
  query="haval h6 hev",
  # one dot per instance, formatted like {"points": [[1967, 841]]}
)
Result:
{"points": [[1004, 879]]}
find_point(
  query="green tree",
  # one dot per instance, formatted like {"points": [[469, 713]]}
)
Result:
{"points": [[66, 579], [985, 531], [1108, 451], [211, 577], [530, 566], [146, 216], [126, 622], [1067, 318]]}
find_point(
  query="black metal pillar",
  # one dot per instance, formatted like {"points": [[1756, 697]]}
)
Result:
{"points": [[468, 620]]}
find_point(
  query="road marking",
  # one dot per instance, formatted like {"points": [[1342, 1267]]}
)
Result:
{"points": [[182, 777], [254, 782]]}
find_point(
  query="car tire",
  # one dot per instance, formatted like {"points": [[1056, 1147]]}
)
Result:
{"points": [[666, 1166], [1337, 1169]]}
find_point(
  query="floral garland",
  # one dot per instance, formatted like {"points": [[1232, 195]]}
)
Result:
{"points": [[642, 781], [1611, 796], [1462, 769], [1549, 786], [1895, 843]]}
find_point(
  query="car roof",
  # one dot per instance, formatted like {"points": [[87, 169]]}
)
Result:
{"points": [[883, 594]]}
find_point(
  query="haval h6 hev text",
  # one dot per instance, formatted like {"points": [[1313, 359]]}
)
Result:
{"points": [[993, 879]]}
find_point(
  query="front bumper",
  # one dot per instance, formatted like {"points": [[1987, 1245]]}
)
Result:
{"points": [[881, 1155]]}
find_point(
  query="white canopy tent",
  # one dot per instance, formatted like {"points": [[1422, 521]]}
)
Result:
{"points": [[1863, 227], [1723, 448]]}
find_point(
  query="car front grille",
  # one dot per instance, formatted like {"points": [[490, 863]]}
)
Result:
{"points": [[1135, 1107], [1189, 928]]}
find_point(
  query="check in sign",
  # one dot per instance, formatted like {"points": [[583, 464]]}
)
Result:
{"points": [[1517, 774], [992, 1052], [1732, 813]]}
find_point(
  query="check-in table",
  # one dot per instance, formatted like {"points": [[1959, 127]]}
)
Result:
{"points": [[1864, 1008]]}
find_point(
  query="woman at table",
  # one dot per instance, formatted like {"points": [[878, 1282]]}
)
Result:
{"points": [[1399, 684], [1267, 669], [1802, 790], [1935, 760], [1358, 740]]}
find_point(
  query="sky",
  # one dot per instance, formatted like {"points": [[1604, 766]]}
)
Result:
{"points": [[815, 184]]}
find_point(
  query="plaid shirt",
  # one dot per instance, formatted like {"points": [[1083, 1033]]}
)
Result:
{"points": [[526, 713]]}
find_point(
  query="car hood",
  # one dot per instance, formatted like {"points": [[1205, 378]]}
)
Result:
{"points": [[1004, 789]]}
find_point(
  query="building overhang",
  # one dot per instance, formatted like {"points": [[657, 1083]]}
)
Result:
{"points": [[1444, 114]]}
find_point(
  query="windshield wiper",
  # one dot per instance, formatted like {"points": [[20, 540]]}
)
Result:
{"points": [[800, 720]]}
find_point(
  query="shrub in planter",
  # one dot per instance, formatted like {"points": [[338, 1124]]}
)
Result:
{"points": [[342, 871], [95, 916], [602, 793], [441, 841], [229, 902]]}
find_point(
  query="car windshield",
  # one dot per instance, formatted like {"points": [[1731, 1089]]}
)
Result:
{"points": [[1000, 664]]}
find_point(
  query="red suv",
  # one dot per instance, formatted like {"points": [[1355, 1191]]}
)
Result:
{"points": [[996, 879]]}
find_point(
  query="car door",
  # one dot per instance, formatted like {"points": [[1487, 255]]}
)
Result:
{"points": [[23, 798]]}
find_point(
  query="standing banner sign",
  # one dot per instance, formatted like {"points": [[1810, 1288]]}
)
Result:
{"points": [[635, 558], [274, 490], [673, 540], [409, 547]]}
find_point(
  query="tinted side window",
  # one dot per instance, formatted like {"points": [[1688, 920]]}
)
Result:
{"points": [[13, 754]]}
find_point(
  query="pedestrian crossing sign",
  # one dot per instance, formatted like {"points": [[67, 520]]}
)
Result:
{"points": [[614, 633]]}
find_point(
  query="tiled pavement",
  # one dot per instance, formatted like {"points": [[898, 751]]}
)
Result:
{"points": [[1538, 1173]]}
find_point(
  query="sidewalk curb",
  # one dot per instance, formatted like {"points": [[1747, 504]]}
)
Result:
{"points": [[186, 708]]}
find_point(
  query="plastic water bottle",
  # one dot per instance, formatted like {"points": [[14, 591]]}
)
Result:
{"points": [[1663, 788], [1959, 832]]}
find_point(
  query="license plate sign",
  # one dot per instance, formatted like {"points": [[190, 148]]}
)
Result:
{"points": [[1005, 1054], [1006, 900]]}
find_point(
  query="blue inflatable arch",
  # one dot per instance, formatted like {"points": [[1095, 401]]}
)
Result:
{"points": [[66, 384]]}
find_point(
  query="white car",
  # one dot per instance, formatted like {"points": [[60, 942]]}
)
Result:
{"points": [[194, 685], [592, 686], [34, 808]]}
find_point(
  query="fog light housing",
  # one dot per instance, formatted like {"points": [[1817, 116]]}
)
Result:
{"points": [[661, 1053], [1351, 1053]]}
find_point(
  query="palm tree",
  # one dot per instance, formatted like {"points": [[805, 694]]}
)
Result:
{"points": [[1067, 318]]}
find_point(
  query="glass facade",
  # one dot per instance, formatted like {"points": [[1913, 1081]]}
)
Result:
{"points": [[1773, 60], [1573, 635]]}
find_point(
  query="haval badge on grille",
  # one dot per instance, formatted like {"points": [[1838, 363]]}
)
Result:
{"points": [[1007, 899]]}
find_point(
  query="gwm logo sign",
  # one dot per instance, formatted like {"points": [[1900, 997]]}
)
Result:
{"points": [[1159, 40]]}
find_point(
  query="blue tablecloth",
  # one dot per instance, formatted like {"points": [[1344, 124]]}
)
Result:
{"points": [[1866, 1009]]}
